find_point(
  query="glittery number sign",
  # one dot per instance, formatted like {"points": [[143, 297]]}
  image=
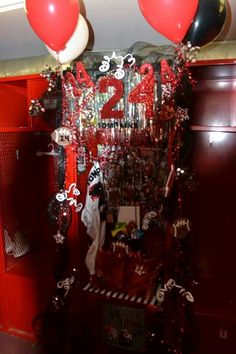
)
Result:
{"points": [[70, 79], [107, 110], [144, 91], [167, 75], [82, 78]]}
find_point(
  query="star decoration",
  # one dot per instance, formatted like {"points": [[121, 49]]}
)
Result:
{"points": [[59, 237]]}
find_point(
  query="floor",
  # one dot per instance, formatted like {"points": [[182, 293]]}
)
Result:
{"points": [[13, 345]]}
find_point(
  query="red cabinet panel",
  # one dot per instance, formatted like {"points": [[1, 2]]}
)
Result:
{"points": [[213, 204], [1, 309], [36, 89], [27, 180], [16, 94], [214, 95], [13, 103], [212, 207], [216, 335], [27, 297]]}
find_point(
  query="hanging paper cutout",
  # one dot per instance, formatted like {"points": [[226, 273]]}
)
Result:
{"points": [[62, 136], [120, 62]]}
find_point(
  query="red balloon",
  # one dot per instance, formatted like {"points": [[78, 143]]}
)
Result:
{"points": [[53, 21], [172, 18]]}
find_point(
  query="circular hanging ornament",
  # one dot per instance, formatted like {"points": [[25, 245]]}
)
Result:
{"points": [[36, 108]]}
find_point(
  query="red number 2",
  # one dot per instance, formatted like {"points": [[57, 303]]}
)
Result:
{"points": [[107, 110]]}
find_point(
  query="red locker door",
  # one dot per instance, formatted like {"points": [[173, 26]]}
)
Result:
{"points": [[27, 180], [25, 188], [212, 206]]}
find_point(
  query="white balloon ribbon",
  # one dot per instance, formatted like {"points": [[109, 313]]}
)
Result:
{"points": [[171, 284], [148, 217], [66, 284], [72, 201]]}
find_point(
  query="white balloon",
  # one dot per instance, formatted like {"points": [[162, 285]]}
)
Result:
{"points": [[76, 44]]}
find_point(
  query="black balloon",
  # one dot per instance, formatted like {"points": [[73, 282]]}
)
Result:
{"points": [[208, 22]]}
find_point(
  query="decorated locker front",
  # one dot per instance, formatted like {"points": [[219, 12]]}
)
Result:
{"points": [[121, 211], [27, 179]]}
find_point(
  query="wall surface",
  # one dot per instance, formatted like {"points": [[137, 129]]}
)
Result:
{"points": [[113, 24], [26, 66]]}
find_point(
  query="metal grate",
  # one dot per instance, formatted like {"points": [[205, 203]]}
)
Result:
{"points": [[25, 183], [124, 327], [16, 180]]}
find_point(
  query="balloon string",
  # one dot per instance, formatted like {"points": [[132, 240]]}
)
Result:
{"points": [[58, 62], [59, 66]]}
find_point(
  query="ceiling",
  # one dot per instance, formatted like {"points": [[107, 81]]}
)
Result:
{"points": [[113, 25]]}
